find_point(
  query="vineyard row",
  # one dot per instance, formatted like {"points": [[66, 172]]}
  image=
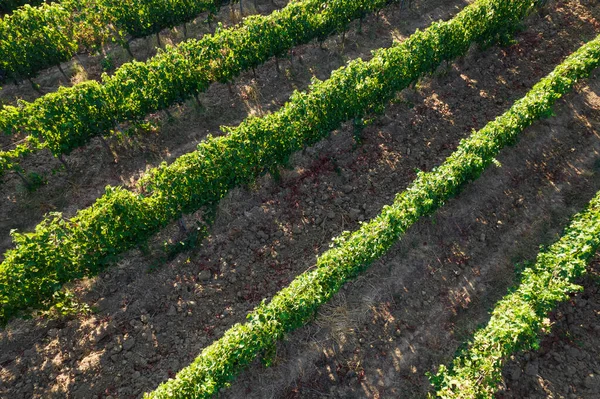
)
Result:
{"points": [[70, 117], [518, 318], [35, 38], [353, 253], [60, 250]]}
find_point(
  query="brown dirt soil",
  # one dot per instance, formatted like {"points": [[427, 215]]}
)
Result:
{"points": [[382, 332], [567, 365]]}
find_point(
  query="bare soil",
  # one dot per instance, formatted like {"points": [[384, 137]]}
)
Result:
{"points": [[567, 365], [411, 310]]}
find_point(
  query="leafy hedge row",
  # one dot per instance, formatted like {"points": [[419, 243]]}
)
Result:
{"points": [[141, 18], [70, 117], [35, 38], [31, 40], [61, 250], [296, 304], [518, 318]]}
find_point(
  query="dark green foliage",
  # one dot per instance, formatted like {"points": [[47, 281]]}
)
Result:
{"points": [[517, 319], [67, 119], [35, 38], [31, 41], [62, 250], [353, 252], [141, 18]]}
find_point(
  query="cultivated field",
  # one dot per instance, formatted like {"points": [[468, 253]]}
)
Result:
{"points": [[153, 309]]}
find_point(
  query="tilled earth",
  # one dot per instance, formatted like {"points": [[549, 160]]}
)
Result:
{"points": [[412, 309], [567, 365]]}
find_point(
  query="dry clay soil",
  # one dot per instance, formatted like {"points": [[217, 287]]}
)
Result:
{"points": [[413, 308]]}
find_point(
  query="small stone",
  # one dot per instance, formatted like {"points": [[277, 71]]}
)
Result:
{"points": [[558, 357], [570, 370], [515, 373], [204, 275], [568, 309], [532, 368], [347, 189], [141, 362], [235, 233], [331, 215], [53, 332], [172, 311], [573, 352], [129, 344], [82, 392], [354, 214], [592, 381]]}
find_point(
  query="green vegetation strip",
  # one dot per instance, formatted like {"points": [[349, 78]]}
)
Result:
{"points": [[34, 38], [296, 304], [61, 250], [70, 117], [518, 318]]}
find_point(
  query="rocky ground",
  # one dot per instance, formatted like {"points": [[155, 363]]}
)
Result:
{"points": [[411, 310], [568, 362]]}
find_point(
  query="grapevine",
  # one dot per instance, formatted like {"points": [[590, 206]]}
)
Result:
{"points": [[296, 304], [63, 250]]}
